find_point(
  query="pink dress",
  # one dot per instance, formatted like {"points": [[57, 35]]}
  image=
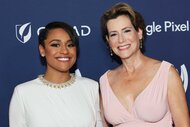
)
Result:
{"points": [[150, 108]]}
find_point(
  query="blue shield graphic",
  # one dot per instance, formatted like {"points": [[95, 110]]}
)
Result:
{"points": [[23, 32]]}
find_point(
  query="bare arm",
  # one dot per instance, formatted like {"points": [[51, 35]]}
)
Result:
{"points": [[177, 100]]}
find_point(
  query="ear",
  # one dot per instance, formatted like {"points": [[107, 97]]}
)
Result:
{"points": [[140, 34], [107, 39], [42, 50]]}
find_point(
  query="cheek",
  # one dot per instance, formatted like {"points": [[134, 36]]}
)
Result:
{"points": [[73, 52], [134, 38], [49, 52], [74, 56], [112, 44]]}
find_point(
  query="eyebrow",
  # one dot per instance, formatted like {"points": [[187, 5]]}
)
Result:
{"points": [[55, 40], [121, 29], [126, 27], [60, 40]]}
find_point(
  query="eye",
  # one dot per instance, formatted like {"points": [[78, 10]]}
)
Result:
{"points": [[112, 34], [55, 45], [71, 45], [127, 30]]}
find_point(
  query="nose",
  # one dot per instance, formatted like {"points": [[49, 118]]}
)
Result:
{"points": [[121, 38], [63, 49]]}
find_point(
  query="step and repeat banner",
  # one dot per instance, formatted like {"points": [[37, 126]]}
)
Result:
{"points": [[167, 26]]}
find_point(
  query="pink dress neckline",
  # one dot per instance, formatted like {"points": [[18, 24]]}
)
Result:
{"points": [[150, 107], [147, 86]]}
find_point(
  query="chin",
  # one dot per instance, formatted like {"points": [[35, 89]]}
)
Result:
{"points": [[63, 69], [124, 57]]}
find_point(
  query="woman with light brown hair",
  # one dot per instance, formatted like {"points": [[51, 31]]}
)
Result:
{"points": [[142, 91]]}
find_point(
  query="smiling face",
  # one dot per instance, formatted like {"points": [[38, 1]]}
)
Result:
{"points": [[122, 36], [59, 51]]}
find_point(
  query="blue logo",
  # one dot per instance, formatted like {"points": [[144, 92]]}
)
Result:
{"points": [[23, 32]]}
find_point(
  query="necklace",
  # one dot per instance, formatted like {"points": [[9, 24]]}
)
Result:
{"points": [[57, 85]]}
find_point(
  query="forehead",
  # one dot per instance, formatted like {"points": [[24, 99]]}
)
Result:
{"points": [[58, 33], [119, 23]]}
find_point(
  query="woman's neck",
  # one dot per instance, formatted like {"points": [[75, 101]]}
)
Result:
{"points": [[57, 77]]}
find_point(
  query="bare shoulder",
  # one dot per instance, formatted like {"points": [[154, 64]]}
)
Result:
{"points": [[152, 65], [174, 80], [155, 62], [173, 73]]}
